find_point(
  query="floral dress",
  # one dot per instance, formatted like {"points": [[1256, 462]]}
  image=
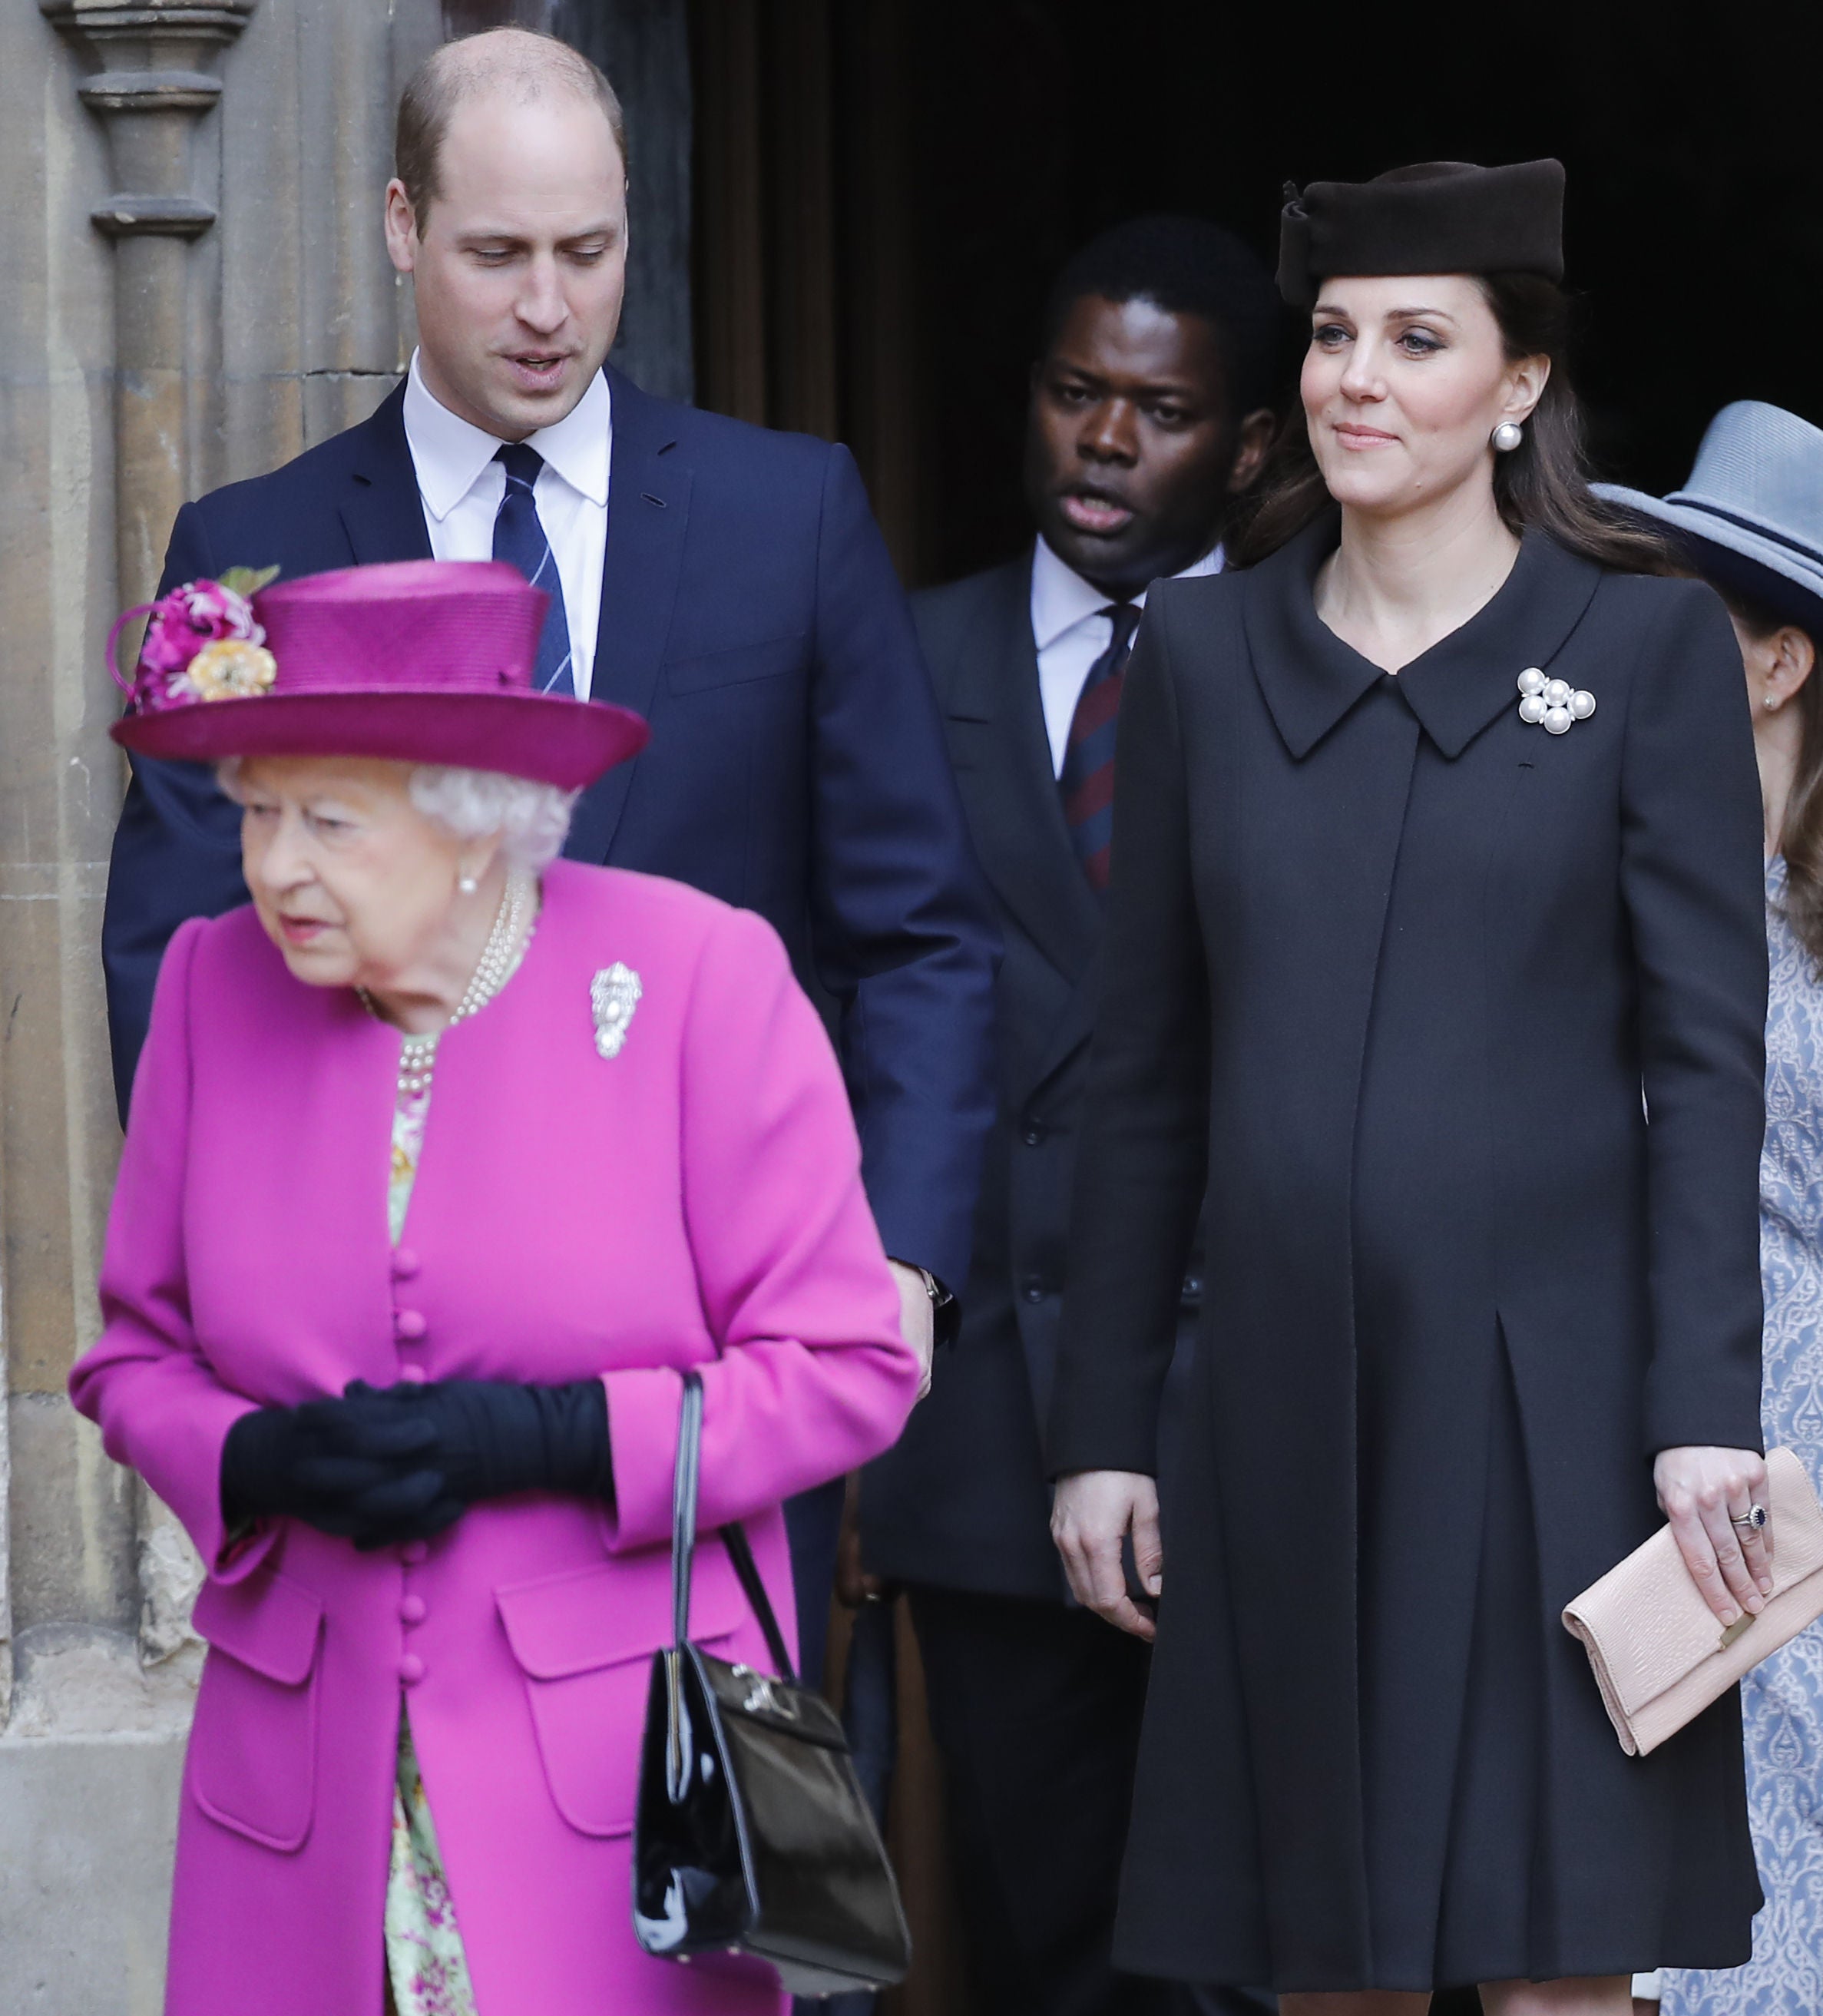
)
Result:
{"points": [[427, 1972], [1781, 1701]]}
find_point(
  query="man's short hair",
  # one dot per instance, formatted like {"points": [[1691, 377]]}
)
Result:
{"points": [[523, 63], [1185, 265]]}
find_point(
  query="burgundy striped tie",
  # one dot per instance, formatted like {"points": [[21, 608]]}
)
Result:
{"points": [[1088, 781]]}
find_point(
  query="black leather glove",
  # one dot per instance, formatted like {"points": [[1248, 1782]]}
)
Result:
{"points": [[489, 1438], [343, 1469]]}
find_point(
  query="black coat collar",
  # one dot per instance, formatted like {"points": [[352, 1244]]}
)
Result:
{"points": [[1311, 678]]}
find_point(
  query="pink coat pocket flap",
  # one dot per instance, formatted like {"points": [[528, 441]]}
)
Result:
{"points": [[585, 1641], [252, 1761], [598, 1616], [267, 1622]]}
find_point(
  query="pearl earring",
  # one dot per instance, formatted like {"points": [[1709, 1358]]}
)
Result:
{"points": [[1507, 437], [469, 885], [1772, 704]]}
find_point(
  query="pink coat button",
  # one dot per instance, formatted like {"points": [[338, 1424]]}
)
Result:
{"points": [[415, 1551], [405, 1263], [411, 1669], [413, 1375], [409, 1325], [412, 1609]]}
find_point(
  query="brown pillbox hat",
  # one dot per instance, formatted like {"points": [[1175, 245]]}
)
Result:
{"points": [[1439, 217]]}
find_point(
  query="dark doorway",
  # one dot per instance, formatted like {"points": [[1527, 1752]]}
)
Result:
{"points": [[884, 189]]}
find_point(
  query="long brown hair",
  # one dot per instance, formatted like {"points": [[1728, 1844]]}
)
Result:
{"points": [[1800, 839], [1543, 483]]}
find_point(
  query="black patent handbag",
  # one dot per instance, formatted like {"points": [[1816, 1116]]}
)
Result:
{"points": [[751, 1838]]}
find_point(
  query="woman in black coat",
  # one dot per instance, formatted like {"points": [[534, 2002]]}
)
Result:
{"points": [[1448, 981]]}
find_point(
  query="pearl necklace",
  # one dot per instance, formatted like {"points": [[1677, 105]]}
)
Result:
{"points": [[513, 923]]}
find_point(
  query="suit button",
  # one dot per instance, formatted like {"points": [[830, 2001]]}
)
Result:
{"points": [[411, 1669], [405, 1263], [413, 1375], [1035, 1132], [1035, 1291], [408, 1325], [412, 1609], [415, 1551]]}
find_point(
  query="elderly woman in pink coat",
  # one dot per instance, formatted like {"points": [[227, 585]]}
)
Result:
{"points": [[446, 1159]]}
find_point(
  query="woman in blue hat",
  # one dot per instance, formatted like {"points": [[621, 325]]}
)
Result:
{"points": [[1750, 522]]}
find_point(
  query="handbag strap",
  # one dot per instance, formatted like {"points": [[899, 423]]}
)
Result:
{"points": [[684, 1506], [734, 1538]]}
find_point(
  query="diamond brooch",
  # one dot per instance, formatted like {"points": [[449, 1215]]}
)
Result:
{"points": [[1552, 704], [613, 994]]}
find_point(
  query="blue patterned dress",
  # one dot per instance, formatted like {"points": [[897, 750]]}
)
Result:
{"points": [[1782, 1701]]}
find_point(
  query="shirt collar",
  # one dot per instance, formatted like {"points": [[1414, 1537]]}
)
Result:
{"points": [[1061, 598], [449, 453]]}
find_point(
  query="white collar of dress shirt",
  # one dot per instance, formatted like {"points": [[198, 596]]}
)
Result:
{"points": [[1061, 598], [449, 453]]}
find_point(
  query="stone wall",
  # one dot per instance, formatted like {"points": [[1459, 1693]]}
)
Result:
{"points": [[196, 290]]}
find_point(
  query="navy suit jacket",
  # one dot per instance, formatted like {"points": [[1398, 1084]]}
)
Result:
{"points": [[750, 612], [963, 1500]]}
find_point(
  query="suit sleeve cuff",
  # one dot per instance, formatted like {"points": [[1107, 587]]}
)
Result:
{"points": [[644, 1405], [1676, 1419]]}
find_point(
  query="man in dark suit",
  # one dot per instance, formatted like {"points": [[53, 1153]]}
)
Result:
{"points": [[728, 584], [1148, 413]]}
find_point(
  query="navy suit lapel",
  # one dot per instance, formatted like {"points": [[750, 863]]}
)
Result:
{"points": [[649, 509], [1015, 810], [381, 510]]}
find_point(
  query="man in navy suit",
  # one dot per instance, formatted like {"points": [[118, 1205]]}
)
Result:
{"points": [[728, 584], [1148, 411]]}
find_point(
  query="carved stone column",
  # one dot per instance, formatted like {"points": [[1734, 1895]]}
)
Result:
{"points": [[153, 79]]}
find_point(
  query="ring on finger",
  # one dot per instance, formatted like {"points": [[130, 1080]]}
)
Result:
{"points": [[1753, 1518]]}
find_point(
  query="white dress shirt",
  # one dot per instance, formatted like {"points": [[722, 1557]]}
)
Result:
{"points": [[1071, 632], [461, 487]]}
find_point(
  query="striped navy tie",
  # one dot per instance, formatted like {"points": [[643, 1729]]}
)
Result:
{"points": [[519, 539], [1088, 780]]}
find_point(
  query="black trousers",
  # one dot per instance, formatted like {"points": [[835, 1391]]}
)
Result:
{"points": [[1035, 1709]]}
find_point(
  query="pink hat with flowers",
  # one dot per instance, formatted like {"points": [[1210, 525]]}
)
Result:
{"points": [[420, 661]]}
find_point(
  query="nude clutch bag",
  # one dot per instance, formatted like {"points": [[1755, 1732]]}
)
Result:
{"points": [[1659, 1654]]}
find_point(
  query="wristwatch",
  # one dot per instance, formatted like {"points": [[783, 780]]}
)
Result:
{"points": [[946, 1311]]}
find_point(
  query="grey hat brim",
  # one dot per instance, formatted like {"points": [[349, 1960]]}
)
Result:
{"points": [[1775, 571]]}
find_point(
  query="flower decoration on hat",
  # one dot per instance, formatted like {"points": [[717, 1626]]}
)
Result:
{"points": [[1554, 705], [405, 661], [202, 643]]}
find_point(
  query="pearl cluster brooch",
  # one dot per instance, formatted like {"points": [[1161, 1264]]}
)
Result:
{"points": [[1553, 705]]}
